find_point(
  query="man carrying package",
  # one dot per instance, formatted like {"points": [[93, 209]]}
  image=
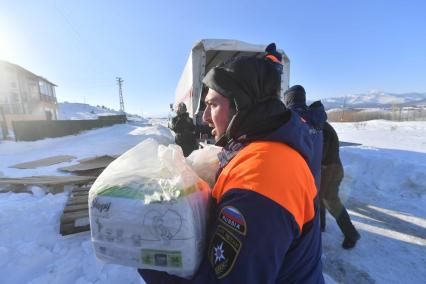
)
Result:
{"points": [[264, 226]]}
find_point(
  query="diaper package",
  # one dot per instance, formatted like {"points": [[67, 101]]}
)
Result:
{"points": [[148, 209]]}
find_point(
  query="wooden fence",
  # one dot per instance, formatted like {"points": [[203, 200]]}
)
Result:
{"points": [[39, 129]]}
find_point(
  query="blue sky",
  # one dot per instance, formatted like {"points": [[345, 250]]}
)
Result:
{"points": [[335, 47]]}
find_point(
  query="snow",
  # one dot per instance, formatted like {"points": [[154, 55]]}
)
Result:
{"points": [[79, 111], [74, 111], [384, 190], [113, 140], [408, 136]]}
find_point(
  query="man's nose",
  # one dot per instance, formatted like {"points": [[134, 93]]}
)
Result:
{"points": [[206, 115]]}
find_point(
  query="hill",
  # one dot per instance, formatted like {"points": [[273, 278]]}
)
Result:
{"points": [[77, 111]]}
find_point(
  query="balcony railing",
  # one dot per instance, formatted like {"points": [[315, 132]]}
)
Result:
{"points": [[46, 98]]}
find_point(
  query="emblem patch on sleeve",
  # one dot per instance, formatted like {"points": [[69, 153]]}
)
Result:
{"points": [[223, 251], [233, 219]]}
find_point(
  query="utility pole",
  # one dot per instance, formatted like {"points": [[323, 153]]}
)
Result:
{"points": [[343, 108], [120, 93]]}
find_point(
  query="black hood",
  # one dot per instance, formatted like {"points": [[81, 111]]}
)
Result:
{"points": [[253, 85], [295, 97]]}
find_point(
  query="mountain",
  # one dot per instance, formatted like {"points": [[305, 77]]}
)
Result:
{"points": [[375, 99]]}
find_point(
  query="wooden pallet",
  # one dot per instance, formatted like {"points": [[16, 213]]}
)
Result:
{"points": [[52, 184], [75, 218]]}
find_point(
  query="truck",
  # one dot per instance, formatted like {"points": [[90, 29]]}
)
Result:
{"points": [[206, 54]]}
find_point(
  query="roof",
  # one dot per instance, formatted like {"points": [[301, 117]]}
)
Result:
{"points": [[233, 45], [27, 71]]}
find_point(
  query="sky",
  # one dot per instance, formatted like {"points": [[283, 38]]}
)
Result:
{"points": [[335, 47]]}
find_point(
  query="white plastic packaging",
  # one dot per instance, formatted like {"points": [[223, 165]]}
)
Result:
{"points": [[205, 162], [148, 209]]}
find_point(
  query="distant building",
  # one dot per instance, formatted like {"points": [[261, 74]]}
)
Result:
{"points": [[25, 95]]}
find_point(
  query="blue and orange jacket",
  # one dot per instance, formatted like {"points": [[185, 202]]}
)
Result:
{"points": [[265, 225], [316, 117]]}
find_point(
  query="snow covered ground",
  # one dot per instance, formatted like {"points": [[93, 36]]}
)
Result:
{"points": [[77, 111], [384, 189], [73, 111]]}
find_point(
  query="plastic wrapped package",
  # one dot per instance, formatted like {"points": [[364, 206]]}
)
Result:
{"points": [[205, 162], [148, 209]]}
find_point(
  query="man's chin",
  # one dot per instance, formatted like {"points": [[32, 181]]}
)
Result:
{"points": [[215, 135]]}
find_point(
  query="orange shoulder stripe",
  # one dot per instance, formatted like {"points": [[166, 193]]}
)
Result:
{"points": [[275, 171], [273, 58]]}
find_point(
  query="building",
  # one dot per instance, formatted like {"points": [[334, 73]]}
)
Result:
{"points": [[25, 96]]}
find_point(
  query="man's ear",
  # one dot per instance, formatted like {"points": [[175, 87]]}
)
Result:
{"points": [[233, 131]]}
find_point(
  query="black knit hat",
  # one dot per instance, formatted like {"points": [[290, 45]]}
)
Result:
{"points": [[250, 83], [295, 95], [275, 57], [246, 80], [271, 49]]}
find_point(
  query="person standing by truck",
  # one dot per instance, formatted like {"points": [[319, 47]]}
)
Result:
{"points": [[184, 128]]}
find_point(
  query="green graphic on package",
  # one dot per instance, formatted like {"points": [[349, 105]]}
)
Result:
{"points": [[140, 191], [161, 258]]}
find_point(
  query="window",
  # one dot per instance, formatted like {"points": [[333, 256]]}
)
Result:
{"points": [[43, 88], [17, 109], [6, 108], [14, 97]]}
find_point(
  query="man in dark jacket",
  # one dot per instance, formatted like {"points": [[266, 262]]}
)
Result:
{"points": [[184, 128], [331, 176], [315, 116], [326, 147], [264, 225]]}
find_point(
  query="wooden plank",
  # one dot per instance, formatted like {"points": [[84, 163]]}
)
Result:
{"points": [[76, 207], [44, 162], [96, 157], [17, 188], [81, 189], [94, 172], [56, 188], [78, 200], [90, 164], [48, 180], [80, 193], [71, 216], [69, 228]]}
